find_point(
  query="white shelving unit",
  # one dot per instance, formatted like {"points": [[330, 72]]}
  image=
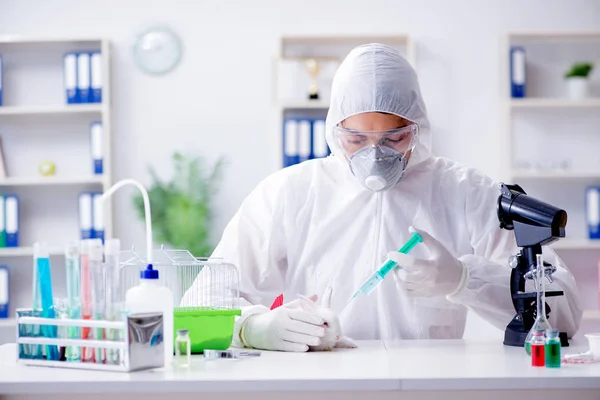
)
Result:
{"points": [[547, 127], [50, 180], [41, 110], [558, 175], [328, 51], [574, 244], [554, 103], [37, 124], [8, 323], [304, 105], [28, 251], [33, 97]]}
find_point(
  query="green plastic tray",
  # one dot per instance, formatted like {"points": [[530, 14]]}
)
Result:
{"points": [[208, 329]]}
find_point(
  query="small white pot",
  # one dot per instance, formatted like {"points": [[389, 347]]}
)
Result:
{"points": [[578, 88]]}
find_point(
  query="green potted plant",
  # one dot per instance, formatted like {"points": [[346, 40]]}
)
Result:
{"points": [[181, 208], [578, 86]]}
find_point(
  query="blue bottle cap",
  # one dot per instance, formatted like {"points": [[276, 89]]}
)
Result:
{"points": [[149, 273]]}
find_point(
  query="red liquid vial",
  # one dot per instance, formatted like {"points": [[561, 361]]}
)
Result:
{"points": [[538, 358]]}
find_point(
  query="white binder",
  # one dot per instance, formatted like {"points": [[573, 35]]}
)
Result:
{"points": [[1, 73], [12, 220], [96, 133], [70, 77], [85, 215], [98, 217], [290, 139], [83, 77], [320, 147], [304, 140], [4, 292]]}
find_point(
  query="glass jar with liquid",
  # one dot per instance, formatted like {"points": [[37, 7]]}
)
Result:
{"points": [[183, 348]]}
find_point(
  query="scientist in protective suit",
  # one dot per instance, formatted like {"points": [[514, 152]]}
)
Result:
{"points": [[333, 222]]}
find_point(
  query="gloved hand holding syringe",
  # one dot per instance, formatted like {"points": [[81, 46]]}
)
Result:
{"points": [[377, 277]]}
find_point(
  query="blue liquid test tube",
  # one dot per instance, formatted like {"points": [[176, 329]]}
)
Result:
{"points": [[45, 281]]}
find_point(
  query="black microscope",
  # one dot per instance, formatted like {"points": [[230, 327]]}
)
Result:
{"points": [[535, 224]]}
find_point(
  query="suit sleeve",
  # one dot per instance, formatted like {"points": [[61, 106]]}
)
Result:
{"points": [[254, 241]]}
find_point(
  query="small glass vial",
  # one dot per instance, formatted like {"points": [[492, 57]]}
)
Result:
{"points": [[553, 346], [183, 345], [537, 344]]}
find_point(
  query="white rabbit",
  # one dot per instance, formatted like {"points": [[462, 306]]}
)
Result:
{"points": [[333, 331]]}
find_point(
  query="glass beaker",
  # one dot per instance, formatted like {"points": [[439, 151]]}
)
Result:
{"points": [[183, 345], [541, 323]]}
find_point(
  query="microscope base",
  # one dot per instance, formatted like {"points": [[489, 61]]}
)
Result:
{"points": [[514, 338]]}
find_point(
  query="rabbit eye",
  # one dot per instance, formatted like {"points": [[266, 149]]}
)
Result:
{"points": [[326, 324]]}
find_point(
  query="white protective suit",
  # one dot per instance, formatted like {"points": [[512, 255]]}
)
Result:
{"points": [[314, 224]]}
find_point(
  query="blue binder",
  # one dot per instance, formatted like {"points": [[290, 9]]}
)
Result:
{"points": [[85, 215], [4, 292], [84, 76], [11, 208], [290, 142], [96, 140], [518, 75], [70, 77], [592, 206], [96, 73]]}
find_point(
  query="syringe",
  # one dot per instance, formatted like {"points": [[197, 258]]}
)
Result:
{"points": [[375, 280]]}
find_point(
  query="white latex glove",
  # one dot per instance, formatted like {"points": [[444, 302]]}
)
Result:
{"points": [[286, 328], [440, 275]]}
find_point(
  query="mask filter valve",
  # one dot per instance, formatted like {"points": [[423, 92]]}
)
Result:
{"points": [[375, 182]]}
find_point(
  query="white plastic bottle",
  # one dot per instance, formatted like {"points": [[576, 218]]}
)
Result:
{"points": [[149, 296]]}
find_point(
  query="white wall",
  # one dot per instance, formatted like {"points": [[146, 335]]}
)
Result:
{"points": [[218, 101]]}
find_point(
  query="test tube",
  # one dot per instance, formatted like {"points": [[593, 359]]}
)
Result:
{"points": [[86, 295], [45, 278], [35, 350], [73, 296], [98, 276], [113, 295]]}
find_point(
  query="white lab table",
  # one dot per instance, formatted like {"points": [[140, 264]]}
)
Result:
{"points": [[376, 370]]}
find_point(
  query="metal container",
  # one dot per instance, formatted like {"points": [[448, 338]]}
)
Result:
{"points": [[139, 344]]}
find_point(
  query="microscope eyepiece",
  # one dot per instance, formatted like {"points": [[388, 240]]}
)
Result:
{"points": [[541, 223]]}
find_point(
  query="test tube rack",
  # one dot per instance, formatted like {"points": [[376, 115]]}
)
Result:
{"points": [[140, 344]]}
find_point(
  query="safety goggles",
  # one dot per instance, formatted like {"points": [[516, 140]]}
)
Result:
{"points": [[400, 139]]}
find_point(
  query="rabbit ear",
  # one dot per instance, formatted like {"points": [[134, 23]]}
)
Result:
{"points": [[326, 300], [307, 304]]}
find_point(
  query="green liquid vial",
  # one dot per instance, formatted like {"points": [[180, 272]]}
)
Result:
{"points": [[528, 348], [552, 349]]}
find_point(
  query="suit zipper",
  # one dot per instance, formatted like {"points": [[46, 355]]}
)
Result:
{"points": [[378, 218]]}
